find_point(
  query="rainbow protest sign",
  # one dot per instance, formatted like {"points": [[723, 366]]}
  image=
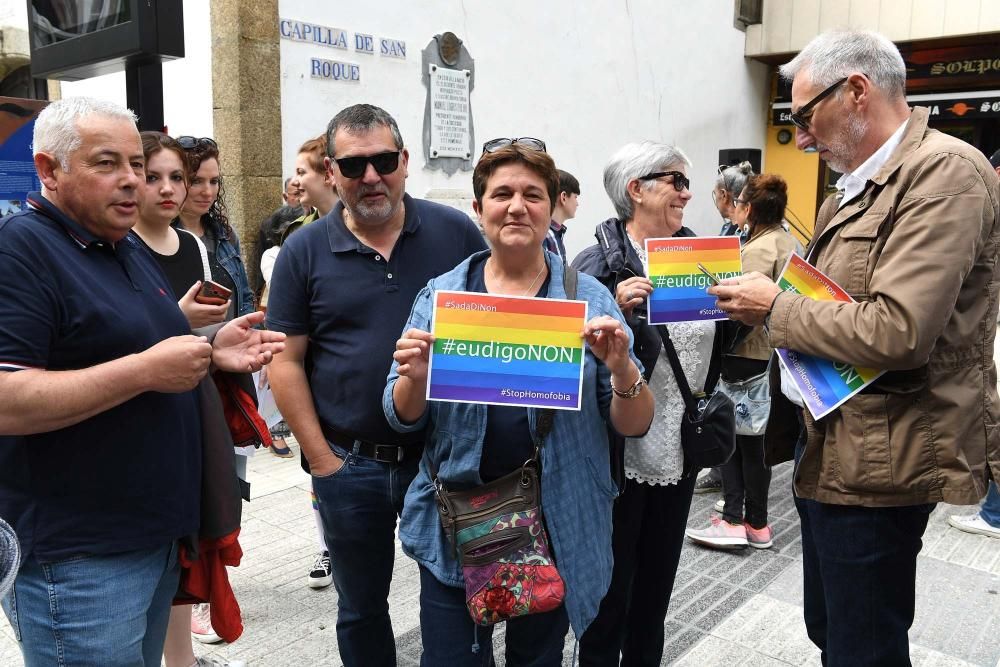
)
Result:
{"points": [[678, 286], [824, 384], [506, 350]]}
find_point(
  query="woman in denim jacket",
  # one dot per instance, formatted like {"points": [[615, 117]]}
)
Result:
{"points": [[204, 215], [471, 443]]}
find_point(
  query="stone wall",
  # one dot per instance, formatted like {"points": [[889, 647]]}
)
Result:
{"points": [[246, 97]]}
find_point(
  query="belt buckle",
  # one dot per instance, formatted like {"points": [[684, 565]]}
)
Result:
{"points": [[396, 457]]}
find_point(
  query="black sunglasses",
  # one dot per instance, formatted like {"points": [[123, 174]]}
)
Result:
{"points": [[354, 167], [800, 118], [680, 180], [188, 142], [527, 142]]}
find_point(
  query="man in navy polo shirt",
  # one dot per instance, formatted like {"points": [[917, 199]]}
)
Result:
{"points": [[342, 289], [100, 436]]}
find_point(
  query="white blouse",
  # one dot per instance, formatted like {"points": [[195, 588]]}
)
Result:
{"points": [[657, 458]]}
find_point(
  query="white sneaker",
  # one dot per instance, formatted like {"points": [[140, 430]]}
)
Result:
{"points": [[201, 624], [321, 574], [720, 506], [974, 523]]}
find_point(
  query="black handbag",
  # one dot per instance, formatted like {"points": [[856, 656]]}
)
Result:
{"points": [[708, 427]]}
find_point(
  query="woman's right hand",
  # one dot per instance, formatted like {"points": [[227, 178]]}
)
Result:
{"points": [[631, 292], [413, 355], [201, 314]]}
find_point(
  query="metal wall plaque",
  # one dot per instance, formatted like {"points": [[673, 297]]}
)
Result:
{"points": [[449, 75]]}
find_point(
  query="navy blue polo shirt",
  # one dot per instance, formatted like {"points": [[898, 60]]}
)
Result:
{"points": [[125, 479], [352, 303]]}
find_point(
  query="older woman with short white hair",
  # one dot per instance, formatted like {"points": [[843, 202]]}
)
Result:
{"points": [[728, 186], [648, 184]]}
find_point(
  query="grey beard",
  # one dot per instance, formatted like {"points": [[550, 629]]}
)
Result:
{"points": [[842, 150], [365, 213]]}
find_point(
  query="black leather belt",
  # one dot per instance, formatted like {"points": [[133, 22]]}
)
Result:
{"points": [[371, 450]]}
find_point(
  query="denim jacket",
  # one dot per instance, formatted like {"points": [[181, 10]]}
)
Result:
{"points": [[577, 489], [228, 255]]}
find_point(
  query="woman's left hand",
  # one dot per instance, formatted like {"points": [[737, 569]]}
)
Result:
{"points": [[608, 340]]}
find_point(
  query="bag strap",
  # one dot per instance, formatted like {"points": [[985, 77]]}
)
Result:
{"points": [[715, 362], [675, 365], [202, 250], [546, 415]]}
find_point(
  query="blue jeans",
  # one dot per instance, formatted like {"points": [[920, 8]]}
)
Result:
{"points": [[359, 505], [94, 610], [990, 511], [859, 568], [451, 638]]}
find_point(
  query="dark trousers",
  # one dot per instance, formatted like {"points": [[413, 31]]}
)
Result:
{"points": [[359, 505], [451, 639], [746, 480], [859, 567], [649, 524]]}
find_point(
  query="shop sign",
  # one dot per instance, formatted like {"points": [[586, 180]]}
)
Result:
{"points": [[969, 106]]}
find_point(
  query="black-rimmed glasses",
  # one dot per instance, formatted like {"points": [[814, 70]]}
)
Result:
{"points": [[680, 180], [800, 118], [188, 142], [527, 142], [354, 167]]}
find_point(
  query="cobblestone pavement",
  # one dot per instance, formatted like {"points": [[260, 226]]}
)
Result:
{"points": [[728, 608]]}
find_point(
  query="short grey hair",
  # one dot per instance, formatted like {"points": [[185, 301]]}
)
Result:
{"points": [[733, 179], [839, 53], [361, 119], [56, 131], [633, 161]]}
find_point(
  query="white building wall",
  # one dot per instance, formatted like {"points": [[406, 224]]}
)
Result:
{"points": [[788, 25], [585, 77], [187, 82]]}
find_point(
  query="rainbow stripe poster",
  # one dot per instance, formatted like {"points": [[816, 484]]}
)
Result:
{"points": [[678, 286], [507, 350], [824, 384]]}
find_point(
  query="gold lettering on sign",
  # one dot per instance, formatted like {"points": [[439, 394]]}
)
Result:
{"points": [[977, 66]]}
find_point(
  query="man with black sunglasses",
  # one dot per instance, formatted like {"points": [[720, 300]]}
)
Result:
{"points": [[342, 289], [912, 235]]}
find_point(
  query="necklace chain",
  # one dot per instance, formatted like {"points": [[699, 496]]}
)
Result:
{"points": [[500, 282]]}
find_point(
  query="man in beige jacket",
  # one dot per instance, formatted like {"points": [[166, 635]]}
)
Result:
{"points": [[912, 235]]}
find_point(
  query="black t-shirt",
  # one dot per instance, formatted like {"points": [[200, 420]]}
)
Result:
{"points": [[184, 267], [507, 444]]}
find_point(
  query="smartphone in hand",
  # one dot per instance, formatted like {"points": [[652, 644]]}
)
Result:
{"points": [[712, 278], [212, 293]]}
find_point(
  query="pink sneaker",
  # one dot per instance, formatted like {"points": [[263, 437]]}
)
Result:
{"points": [[759, 538], [201, 624], [719, 535]]}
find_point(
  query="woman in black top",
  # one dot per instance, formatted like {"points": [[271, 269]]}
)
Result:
{"points": [[179, 253], [183, 259]]}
